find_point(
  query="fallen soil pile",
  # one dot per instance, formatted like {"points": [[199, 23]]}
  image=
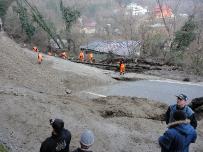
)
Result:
{"points": [[132, 107]]}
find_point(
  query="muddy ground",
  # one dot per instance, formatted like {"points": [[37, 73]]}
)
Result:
{"points": [[31, 94]]}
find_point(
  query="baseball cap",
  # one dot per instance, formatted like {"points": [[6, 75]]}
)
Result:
{"points": [[57, 124], [182, 96]]}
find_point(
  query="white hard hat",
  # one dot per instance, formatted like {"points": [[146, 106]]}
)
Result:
{"points": [[87, 138]]}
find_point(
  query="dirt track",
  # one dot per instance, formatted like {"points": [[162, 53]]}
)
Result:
{"points": [[31, 94]]}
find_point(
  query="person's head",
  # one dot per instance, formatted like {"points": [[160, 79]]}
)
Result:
{"points": [[57, 125], [181, 100], [86, 139], [179, 115]]}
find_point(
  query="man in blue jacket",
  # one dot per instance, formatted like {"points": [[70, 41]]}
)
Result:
{"points": [[179, 134], [181, 105], [60, 139]]}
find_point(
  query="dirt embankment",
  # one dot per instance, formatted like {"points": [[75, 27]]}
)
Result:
{"points": [[31, 94]]}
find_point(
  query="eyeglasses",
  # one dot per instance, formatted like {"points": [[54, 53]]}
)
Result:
{"points": [[179, 99]]}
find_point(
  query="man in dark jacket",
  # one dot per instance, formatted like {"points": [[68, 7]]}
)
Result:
{"points": [[60, 139], [181, 105], [86, 141], [179, 135]]}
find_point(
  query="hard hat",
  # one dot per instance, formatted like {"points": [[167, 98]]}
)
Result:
{"points": [[87, 138]]}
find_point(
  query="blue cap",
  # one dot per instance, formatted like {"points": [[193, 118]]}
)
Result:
{"points": [[183, 97]]}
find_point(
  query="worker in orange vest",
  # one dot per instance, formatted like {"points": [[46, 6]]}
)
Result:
{"points": [[81, 56], [35, 49], [39, 58], [122, 67], [91, 57], [64, 55]]}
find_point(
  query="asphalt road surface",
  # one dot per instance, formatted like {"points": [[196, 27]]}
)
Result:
{"points": [[158, 90]]}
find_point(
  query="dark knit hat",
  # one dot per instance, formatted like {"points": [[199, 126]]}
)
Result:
{"points": [[57, 125], [179, 115]]}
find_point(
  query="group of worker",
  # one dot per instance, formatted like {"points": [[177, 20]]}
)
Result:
{"points": [[90, 59], [63, 55], [82, 57], [61, 138]]}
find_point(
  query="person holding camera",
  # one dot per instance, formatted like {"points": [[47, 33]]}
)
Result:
{"points": [[59, 140]]}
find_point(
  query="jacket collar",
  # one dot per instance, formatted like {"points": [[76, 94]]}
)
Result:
{"points": [[178, 123]]}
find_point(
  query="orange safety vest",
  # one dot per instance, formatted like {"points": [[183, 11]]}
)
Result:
{"points": [[122, 68], [91, 57], [39, 58], [35, 49], [81, 56]]}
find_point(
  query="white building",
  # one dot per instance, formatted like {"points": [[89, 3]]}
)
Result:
{"points": [[136, 9]]}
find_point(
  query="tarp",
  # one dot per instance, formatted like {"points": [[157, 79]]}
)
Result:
{"points": [[121, 48]]}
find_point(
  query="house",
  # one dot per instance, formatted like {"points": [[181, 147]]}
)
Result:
{"points": [[102, 49], [165, 10], [136, 9]]}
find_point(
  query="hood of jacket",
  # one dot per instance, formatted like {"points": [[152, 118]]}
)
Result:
{"points": [[182, 127]]}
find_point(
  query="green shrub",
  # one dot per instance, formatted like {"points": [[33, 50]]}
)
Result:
{"points": [[2, 148]]}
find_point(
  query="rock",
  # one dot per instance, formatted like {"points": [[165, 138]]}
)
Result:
{"points": [[199, 112], [196, 102], [186, 79], [197, 106], [68, 91], [116, 113], [200, 109]]}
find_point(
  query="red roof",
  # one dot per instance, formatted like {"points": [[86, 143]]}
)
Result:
{"points": [[166, 10]]}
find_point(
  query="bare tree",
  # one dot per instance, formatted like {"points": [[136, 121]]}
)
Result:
{"points": [[170, 27]]}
